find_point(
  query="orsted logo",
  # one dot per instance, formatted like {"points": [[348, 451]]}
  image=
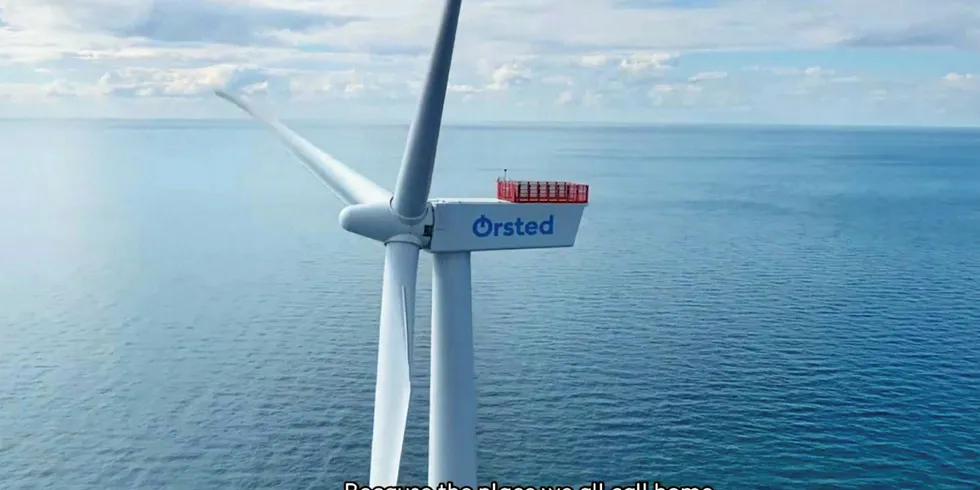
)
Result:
{"points": [[484, 227]]}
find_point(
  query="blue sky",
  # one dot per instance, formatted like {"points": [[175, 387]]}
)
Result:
{"points": [[908, 62]]}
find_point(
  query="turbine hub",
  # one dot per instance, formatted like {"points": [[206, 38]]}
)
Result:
{"points": [[378, 222]]}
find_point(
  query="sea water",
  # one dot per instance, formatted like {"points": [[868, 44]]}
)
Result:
{"points": [[754, 308]]}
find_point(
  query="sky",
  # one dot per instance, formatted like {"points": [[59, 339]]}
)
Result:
{"points": [[880, 62]]}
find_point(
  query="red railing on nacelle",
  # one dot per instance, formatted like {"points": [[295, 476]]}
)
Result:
{"points": [[521, 191]]}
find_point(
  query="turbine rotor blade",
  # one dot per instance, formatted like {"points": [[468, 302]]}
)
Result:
{"points": [[348, 185], [415, 175], [395, 341]]}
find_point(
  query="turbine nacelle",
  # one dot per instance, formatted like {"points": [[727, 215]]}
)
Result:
{"points": [[469, 225]]}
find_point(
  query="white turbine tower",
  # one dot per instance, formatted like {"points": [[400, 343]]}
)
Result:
{"points": [[525, 215]]}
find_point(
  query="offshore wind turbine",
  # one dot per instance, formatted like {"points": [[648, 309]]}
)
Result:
{"points": [[525, 215]]}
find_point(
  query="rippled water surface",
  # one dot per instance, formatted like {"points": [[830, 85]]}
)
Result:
{"points": [[744, 308]]}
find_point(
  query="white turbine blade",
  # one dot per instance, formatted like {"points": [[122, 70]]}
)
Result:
{"points": [[394, 385], [415, 175], [348, 185]]}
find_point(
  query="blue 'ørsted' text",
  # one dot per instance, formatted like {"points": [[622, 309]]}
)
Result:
{"points": [[484, 227]]}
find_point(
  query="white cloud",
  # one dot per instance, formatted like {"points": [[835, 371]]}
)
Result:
{"points": [[145, 82], [708, 75], [80, 15], [591, 28], [503, 76], [963, 83], [518, 51], [26, 92], [463, 89], [565, 97], [959, 77], [792, 71], [665, 88], [594, 60], [638, 62], [353, 87]]}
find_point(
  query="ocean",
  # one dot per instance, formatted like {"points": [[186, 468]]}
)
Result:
{"points": [[745, 307]]}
